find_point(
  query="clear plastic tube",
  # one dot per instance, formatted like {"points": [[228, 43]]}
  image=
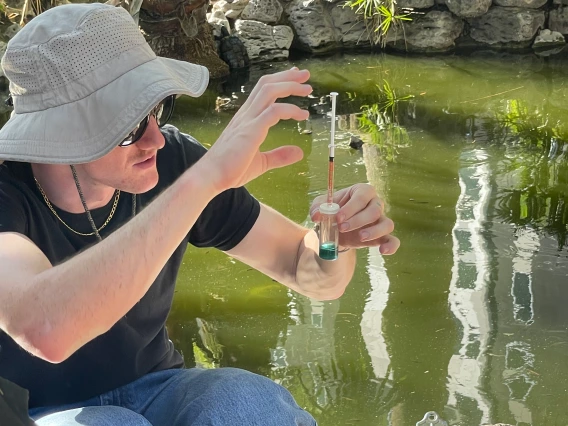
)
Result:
{"points": [[328, 231]]}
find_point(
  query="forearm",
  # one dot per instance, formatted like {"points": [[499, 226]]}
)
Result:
{"points": [[322, 279], [70, 304]]}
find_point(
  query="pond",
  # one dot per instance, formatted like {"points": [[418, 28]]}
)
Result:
{"points": [[469, 318]]}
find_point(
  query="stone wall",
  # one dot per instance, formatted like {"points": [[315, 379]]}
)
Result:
{"points": [[270, 28]]}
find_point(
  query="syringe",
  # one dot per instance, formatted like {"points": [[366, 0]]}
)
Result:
{"points": [[329, 233]]}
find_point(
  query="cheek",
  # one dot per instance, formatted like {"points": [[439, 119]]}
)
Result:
{"points": [[109, 168]]}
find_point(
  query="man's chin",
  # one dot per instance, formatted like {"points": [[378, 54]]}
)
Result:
{"points": [[144, 185]]}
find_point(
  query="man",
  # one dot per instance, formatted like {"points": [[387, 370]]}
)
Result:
{"points": [[97, 205]]}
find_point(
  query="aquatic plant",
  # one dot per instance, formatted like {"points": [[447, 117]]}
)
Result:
{"points": [[380, 16], [380, 121], [536, 159]]}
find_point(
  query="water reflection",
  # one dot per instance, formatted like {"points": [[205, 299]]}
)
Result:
{"points": [[468, 290]]}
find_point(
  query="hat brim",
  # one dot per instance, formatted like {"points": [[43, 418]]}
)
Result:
{"points": [[86, 130]]}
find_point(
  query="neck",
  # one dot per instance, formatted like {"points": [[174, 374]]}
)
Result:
{"points": [[59, 186]]}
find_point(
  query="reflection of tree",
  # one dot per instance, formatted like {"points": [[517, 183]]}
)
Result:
{"points": [[534, 170], [380, 121]]}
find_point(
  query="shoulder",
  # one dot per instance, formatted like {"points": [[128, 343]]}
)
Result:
{"points": [[15, 198]]}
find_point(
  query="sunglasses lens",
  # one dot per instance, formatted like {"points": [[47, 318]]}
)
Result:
{"points": [[166, 109], [163, 112], [140, 130]]}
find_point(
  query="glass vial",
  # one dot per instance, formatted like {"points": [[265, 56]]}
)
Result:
{"points": [[329, 233]]}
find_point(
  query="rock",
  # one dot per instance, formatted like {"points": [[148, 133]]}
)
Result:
{"points": [[415, 4], [547, 38], [558, 20], [510, 26], [12, 30], [264, 42], [551, 51], [349, 28], [434, 32], [312, 25], [468, 8], [549, 43], [267, 11], [562, 2], [233, 51], [231, 10], [355, 142], [528, 4], [218, 21]]}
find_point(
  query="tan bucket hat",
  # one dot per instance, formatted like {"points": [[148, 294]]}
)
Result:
{"points": [[81, 78]]}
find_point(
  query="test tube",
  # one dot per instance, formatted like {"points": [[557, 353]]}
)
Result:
{"points": [[329, 233]]}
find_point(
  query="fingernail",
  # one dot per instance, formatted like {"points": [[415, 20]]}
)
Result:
{"points": [[364, 236], [294, 68], [344, 226]]}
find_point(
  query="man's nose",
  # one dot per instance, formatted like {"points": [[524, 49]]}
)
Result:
{"points": [[152, 137]]}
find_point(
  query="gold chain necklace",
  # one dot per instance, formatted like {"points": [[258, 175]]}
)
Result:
{"points": [[116, 198]]}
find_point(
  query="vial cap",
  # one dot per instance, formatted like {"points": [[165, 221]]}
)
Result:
{"points": [[329, 208]]}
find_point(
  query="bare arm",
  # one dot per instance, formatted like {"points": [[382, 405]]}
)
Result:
{"points": [[53, 311], [293, 260]]}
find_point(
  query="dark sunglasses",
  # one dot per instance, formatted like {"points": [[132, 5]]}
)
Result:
{"points": [[163, 112]]}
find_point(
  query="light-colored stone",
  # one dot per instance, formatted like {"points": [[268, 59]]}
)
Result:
{"points": [[468, 8], [267, 11], [415, 4], [264, 42], [312, 25], [558, 20], [434, 32], [283, 36], [350, 28], [231, 10], [217, 23], [547, 38], [510, 26], [529, 4]]}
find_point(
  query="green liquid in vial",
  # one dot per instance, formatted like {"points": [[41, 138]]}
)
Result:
{"points": [[328, 251]]}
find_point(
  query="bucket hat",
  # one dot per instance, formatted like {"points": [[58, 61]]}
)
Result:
{"points": [[82, 76]]}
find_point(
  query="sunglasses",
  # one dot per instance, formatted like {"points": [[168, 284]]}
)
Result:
{"points": [[163, 112]]}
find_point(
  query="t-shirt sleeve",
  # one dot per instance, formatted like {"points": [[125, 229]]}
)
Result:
{"points": [[228, 218], [12, 211]]}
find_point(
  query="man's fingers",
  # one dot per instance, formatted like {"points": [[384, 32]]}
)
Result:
{"points": [[370, 214], [274, 113], [363, 197], [270, 93], [389, 244], [383, 227], [282, 157], [293, 75]]}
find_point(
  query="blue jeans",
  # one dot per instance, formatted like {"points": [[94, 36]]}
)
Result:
{"points": [[183, 397]]}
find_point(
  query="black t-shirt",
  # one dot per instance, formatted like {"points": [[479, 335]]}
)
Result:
{"points": [[138, 343]]}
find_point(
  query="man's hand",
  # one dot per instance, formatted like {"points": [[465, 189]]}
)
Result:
{"points": [[235, 159], [361, 219]]}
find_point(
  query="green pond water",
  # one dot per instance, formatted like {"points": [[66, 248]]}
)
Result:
{"points": [[469, 318]]}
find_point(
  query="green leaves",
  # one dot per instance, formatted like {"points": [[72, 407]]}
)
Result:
{"points": [[380, 17]]}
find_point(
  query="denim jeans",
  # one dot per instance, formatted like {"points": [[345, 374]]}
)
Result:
{"points": [[183, 397]]}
